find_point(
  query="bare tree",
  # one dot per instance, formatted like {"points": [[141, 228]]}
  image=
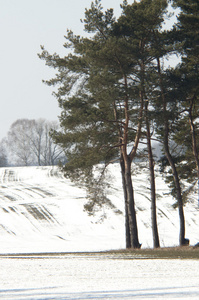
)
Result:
{"points": [[18, 142], [50, 152], [30, 143]]}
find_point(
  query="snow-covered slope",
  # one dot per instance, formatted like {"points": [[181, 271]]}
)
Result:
{"points": [[41, 211]]}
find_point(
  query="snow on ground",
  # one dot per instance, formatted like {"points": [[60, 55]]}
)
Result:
{"points": [[43, 212], [96, 277], [40, 211]]}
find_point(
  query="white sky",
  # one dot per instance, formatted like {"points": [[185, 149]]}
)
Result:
{"points": [[24, 26]]}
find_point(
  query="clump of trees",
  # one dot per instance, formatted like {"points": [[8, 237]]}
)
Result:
{"points": [[115, 92], [29, 143]]}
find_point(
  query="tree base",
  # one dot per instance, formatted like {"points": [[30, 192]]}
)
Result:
{"points": [[185, 242]]}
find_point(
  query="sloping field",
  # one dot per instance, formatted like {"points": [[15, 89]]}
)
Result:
{"points": [[41, 211]]}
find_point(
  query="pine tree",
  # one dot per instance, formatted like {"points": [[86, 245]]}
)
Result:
{"points": [[137, 25], [95, 99], [187, 72], [167, 106], [102, 93]]}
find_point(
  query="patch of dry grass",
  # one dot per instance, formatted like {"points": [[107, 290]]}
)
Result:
{"points": [[186, 252]]}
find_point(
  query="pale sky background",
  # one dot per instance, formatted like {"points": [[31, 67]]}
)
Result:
{"points": [[24, 26]]}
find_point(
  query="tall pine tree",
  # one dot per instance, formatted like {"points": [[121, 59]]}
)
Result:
{"points": [[96, 99], [186, 76]]}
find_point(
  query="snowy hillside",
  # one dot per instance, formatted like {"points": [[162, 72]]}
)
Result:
{"points": [[41, 211]]}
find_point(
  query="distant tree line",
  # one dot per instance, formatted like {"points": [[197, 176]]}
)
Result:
{"points": [[29, 143], [115, 93]]}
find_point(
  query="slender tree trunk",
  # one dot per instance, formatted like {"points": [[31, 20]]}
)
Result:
{"points": [[194, 142], [130, 213], [156, 242], [131, 206], [193, 136], [182, 239], [127, 227], [169, 157], [127, 176]]}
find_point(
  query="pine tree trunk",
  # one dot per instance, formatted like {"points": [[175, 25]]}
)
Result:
{"points": [[193, 136], [156, 242], [127, 159], [169, 157], [131, 206], [182, 239], [127, 228]]}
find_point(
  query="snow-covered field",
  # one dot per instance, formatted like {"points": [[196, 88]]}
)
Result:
{"points": [[83, 277], [40, 211]]}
